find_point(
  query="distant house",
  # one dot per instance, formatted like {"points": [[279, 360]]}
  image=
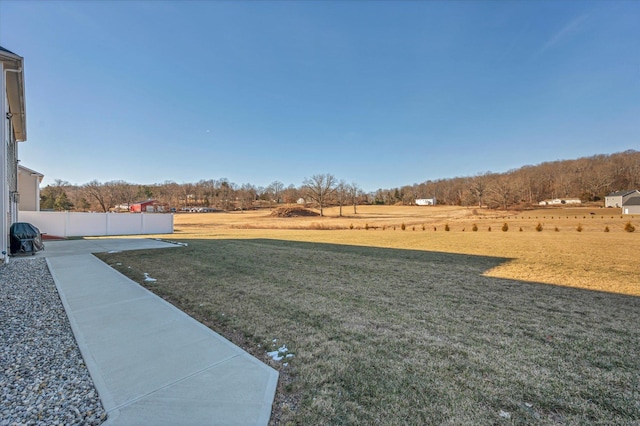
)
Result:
{"points": [[148, 206], [13, 129], [196, 209], [617, 199], [426, 201], [560, 201], [631, 205], [29, 189]]}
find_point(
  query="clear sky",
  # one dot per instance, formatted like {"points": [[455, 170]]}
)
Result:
{"points": [[379, 93]]}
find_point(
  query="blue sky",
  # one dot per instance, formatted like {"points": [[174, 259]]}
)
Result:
{"points": [[379, 93]]}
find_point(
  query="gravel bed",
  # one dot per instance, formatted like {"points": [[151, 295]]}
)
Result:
{"points": [[43, 378]]}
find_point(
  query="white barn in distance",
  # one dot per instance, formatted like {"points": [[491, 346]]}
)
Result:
{"points": [[426, 201], [560, 201]]}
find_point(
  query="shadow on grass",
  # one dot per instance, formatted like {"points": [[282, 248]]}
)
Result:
{"points": [[471, 266], [474, 263]]}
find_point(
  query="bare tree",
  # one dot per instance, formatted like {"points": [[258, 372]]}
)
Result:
{"points": [[262, 193], [276, 188], [121, 192], [168, 192], [290, 194], [100, 193], [227, 194], [342, 194], [630, 171], [354, 193], [503, 191], [187, 194], [207, 189], [144, 192], [320, 188], [478, 187], [381, 196], [596, 184], [246, 196]]}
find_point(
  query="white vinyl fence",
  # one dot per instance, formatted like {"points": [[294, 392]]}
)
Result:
{"points": [[75, 224]]}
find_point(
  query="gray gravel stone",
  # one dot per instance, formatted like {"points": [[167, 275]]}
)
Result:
{"points": [[43, 379]]}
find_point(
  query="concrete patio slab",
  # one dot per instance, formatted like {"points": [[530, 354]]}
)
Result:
{"points": [[151, 363]]}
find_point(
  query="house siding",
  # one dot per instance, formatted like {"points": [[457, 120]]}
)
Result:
{"points": [[29, 189], [613, 201], [631, 210], [617, 199], [12, 131], [631, 205]]}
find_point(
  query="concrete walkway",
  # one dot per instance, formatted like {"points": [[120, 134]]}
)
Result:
{"points": [[151, 363]]}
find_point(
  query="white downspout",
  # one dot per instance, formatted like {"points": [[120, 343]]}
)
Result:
{"points": [[37, 191], [4, 190]]}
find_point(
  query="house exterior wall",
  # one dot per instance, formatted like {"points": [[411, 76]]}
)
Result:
{"points": [[619, 199], [8, 169], [631, 210], [631, 205], [12, 131], [613, 201], [29, 190]]}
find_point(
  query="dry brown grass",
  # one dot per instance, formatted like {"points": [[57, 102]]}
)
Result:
{"points": [[590, 259]]}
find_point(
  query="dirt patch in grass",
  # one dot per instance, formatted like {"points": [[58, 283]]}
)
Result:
{"points": [[396, 336], [293, 212]]}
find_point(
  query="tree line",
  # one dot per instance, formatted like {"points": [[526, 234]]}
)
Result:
{"points": [[588, 178]]}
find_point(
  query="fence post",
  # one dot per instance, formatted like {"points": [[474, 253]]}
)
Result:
{"points": [[67, 219]]}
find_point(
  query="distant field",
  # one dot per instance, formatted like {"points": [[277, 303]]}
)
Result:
{"points": [[417, 327], [591, 259], [389, 216]]}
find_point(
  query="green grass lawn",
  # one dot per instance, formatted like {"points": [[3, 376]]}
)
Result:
{"points": [[407, 337]]}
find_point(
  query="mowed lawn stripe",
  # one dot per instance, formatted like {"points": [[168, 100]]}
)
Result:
{"points": [[398, 336]]}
